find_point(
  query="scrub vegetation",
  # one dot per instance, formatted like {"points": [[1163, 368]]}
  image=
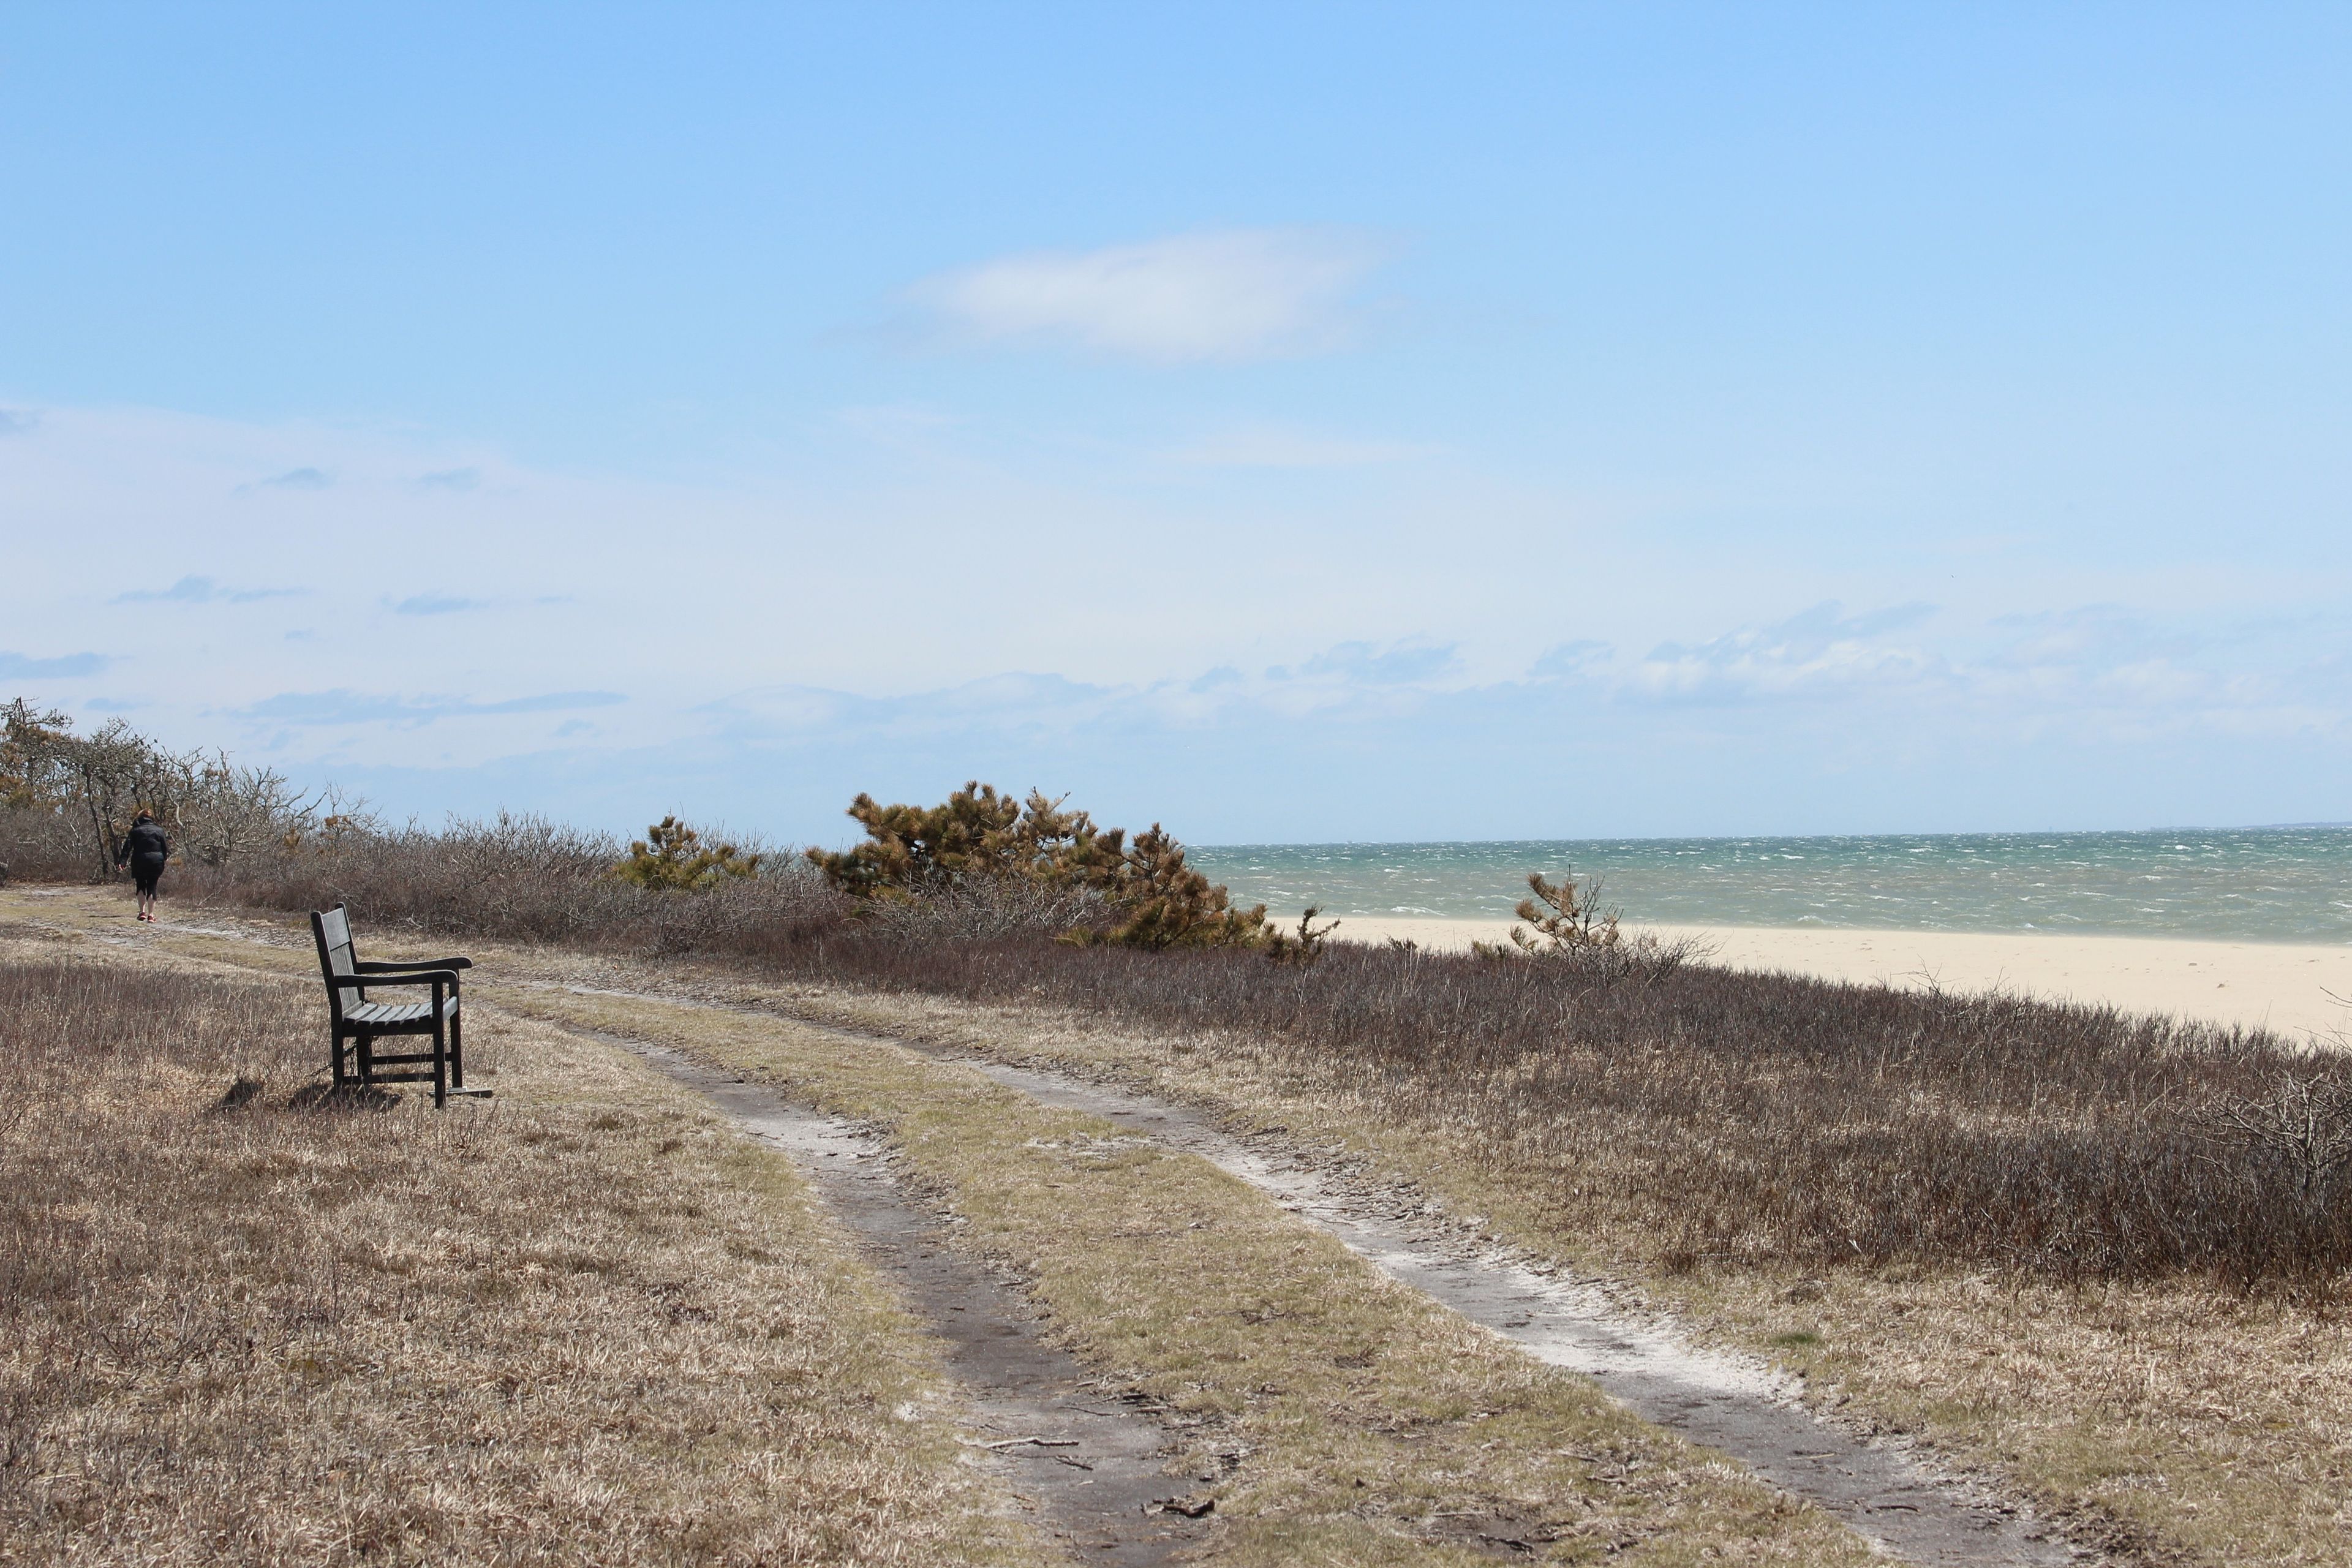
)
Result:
{"points": [[66, 799], [1741, 1116], [1774, 1118]]}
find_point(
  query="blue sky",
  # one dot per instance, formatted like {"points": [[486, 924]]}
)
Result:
{"points": [[1289, 423]]}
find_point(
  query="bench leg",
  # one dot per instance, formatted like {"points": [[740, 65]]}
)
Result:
{"points": [[335, 1054], [440, 1060], [458, 1049], [367, 1061]]}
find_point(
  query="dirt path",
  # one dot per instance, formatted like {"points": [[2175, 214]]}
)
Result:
{"points": [[1087, 1466], [1733, 1404]]}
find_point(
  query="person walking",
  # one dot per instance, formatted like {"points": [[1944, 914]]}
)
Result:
{"points": [[144, 850]]}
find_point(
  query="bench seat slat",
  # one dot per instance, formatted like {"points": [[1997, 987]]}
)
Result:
{"points": [[376, 1014]]}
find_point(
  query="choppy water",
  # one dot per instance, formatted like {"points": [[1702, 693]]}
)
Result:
{"points": [[2266, 884]]}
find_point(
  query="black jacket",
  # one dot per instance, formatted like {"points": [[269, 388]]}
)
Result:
{"points": [[146, 842]]}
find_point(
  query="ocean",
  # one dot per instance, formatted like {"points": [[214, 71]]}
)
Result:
{"points": [[2262, 884]]}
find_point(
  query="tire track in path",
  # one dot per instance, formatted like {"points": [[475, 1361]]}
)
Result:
{"points": [[1729, 1402], [1088, 1466]]}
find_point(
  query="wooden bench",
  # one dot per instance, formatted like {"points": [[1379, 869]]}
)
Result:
{"points": [[355, 1020]]}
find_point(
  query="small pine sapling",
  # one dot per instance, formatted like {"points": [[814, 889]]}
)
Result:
{"points": [[1304, 945], [1568, 920], [672, 858]]}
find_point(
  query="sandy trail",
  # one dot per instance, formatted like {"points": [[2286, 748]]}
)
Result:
{"points": [[2282, 985], [1732, 1404], [1090, 1468]]}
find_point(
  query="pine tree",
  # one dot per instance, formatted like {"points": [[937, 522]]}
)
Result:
{"points": [[979, 834]]}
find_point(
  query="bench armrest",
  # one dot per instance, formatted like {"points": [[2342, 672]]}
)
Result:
{"points": [[409, 977], [380, 967]]}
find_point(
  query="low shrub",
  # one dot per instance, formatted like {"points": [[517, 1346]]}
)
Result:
{"points": [[1743, 1117], [518, 876]]}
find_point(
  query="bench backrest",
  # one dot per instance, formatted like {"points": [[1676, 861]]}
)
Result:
{"points": [[331, 929]]}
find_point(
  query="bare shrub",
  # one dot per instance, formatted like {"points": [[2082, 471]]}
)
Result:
{"points": [[991, 909], [1735, 1116], [69, 799], [522, 876], [42, 844], [2303, 1121]]}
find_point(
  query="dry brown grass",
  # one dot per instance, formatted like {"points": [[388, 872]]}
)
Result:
{"points": [[1343, 1419], [586, 1324], [2178, 1413]]}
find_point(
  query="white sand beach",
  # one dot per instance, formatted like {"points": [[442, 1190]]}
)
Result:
{"points": [[2281, 985]]}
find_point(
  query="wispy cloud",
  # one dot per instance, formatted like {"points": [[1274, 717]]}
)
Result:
{"points": [[2097, 670], [437, 604], [17, 665], [1363, 678], [1856, 674], [1570, 658], [18, 421], [345, 706], [1242, 294], [2093, 634], [1369, 664], [451, 480], [291, 480], [203, 591], [1815, 652], [1279, 448]]}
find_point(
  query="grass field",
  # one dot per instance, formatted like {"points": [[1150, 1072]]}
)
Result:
{"points": [[2176, 1415], [1340, 1419], [587, 1323]]}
